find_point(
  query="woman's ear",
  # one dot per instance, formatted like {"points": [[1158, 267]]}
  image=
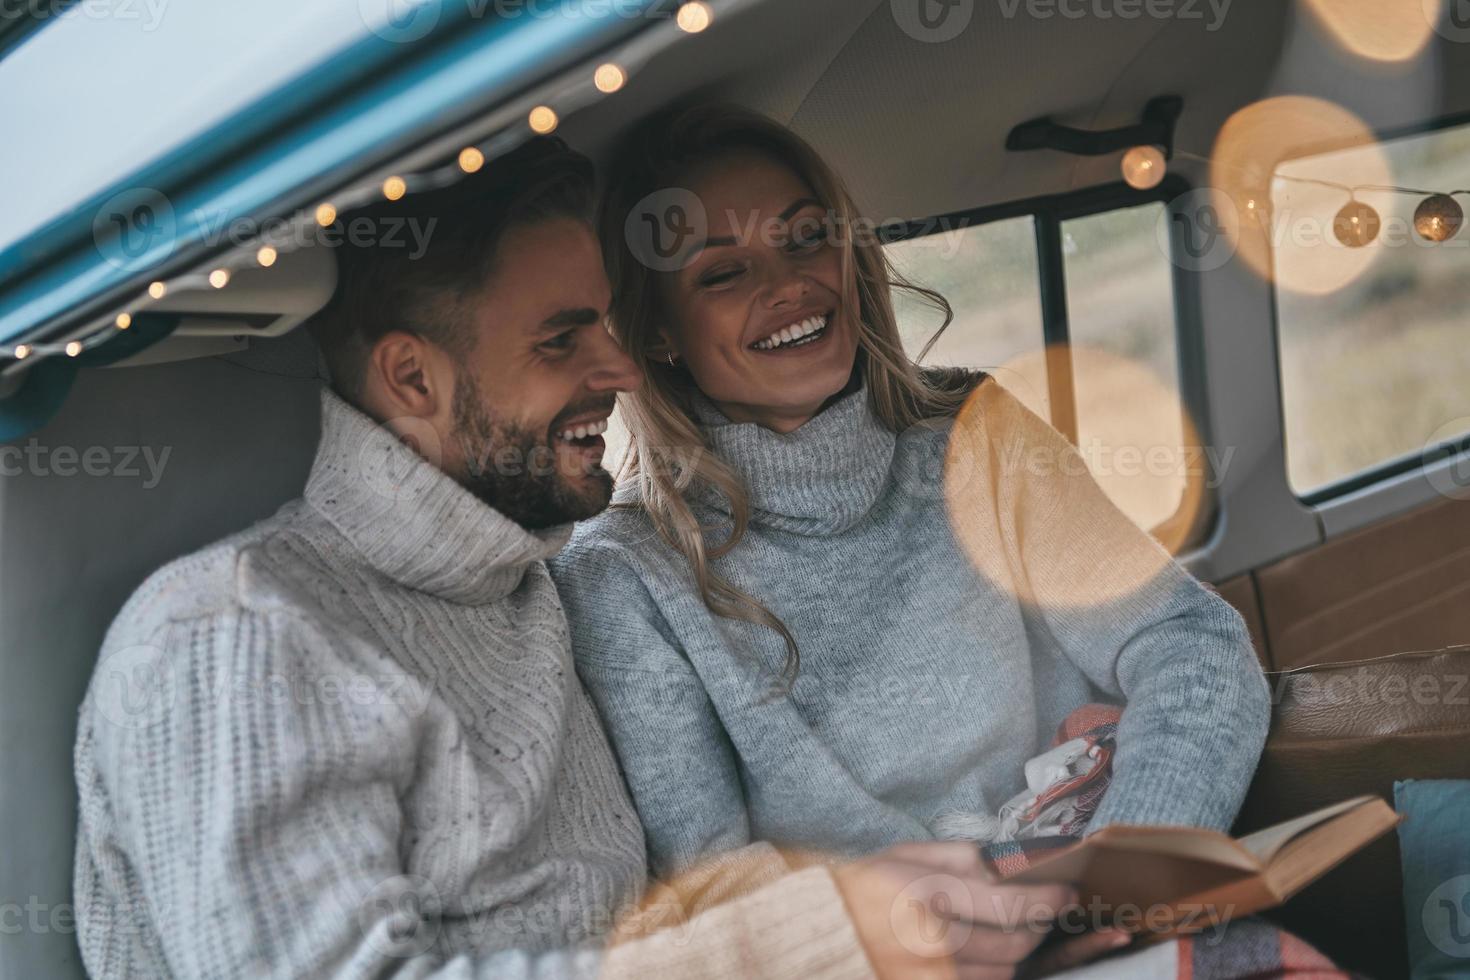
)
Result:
{"points": [[662, 351]]}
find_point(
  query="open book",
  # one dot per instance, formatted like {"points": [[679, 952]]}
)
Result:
{"points": [[1183, 879]]}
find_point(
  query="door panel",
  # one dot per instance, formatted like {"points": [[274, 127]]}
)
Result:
{"points": [[1400, 585]]}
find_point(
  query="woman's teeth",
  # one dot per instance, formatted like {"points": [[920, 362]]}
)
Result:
{"points": [[795, 335], [583, 431]]}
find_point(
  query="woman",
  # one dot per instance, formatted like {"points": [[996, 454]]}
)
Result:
{"points": [[840, 601]]}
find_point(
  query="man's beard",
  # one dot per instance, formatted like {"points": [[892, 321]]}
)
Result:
{"points": [[516, 471]]}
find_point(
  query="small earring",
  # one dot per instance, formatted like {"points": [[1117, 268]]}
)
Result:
{"points": [[671, 359]]}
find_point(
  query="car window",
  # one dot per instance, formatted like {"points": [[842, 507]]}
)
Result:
{"points": [[1372, 371], [1122, 357]]}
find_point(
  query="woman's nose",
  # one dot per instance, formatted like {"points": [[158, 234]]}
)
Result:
{"points": [[786, 285]]}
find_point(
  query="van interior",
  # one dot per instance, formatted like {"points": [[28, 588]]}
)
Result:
{"points": [[1295, 397]]}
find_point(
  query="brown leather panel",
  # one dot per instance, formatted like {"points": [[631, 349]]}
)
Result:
{"points": [[1240, 592], [1400, 585], [1341, 730]]}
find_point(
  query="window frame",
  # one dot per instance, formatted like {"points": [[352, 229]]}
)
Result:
{"points": [[1048, 213], [1404, 464]]}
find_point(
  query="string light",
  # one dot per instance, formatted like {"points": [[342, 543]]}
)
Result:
{"points": [[219, 278], [609, 78], [1356, 224], [325, 215], [73, 349], [471, 160], [123, 321], [266, 256], [543, 120], [694, 17], [22, 351], [157, 290], [1144, 167], [394, 188], [1438, 218]]}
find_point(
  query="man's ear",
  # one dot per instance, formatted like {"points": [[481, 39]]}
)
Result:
{"points": [[407, 375]]}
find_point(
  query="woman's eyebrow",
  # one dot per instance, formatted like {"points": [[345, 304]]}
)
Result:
{"points": [[722, 241]]}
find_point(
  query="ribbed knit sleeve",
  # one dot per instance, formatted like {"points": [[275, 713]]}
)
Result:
{"points": [[676, 756], [240, 773], [1123, 611]]}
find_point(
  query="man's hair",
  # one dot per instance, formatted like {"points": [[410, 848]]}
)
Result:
{"points": [[418, 264]]}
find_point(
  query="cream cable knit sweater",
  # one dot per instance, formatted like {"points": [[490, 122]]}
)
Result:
{"points": [[349, 742]]}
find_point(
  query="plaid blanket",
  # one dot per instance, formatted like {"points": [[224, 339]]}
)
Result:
{"points": [[1250, 949]]}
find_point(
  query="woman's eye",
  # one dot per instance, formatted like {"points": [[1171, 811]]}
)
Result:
{"points": [[561, 342], [804, 239], [720, 276]]}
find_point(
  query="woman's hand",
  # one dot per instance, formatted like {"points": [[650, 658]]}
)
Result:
{"points": [[931, 910]]}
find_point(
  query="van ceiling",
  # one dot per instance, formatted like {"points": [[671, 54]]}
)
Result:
{"points": [[919, 128]]}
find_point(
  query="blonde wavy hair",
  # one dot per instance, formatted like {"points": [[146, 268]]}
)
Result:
{"points": [[668, 458]]}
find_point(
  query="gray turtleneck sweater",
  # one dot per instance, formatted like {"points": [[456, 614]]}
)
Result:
{"points": [[955, 591], [349, 741]]}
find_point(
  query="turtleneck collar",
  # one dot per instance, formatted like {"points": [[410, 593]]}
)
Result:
{"points": [[410, 520], [819, 479]]}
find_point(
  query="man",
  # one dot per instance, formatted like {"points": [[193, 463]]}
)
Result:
{"points": [[366, 752]]}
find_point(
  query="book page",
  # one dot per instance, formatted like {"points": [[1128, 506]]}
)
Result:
{"points": [[1265, 843]]}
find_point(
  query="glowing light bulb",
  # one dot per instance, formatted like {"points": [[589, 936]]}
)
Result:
{"points": [[1144, 167], [394, 188], [325, 214], [1438, 218], [1356, 224], [73, 349], [123, 321], [219, 278], [609, 78], [471, 159], [157, 290], [694, 17], [22, 351], [266, 256], [543, 120]]}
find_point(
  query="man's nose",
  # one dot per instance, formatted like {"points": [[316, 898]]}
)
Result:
{"points": [[613, 369]]}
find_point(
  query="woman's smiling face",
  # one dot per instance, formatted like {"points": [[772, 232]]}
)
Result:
{"points": [[756, 314]]}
